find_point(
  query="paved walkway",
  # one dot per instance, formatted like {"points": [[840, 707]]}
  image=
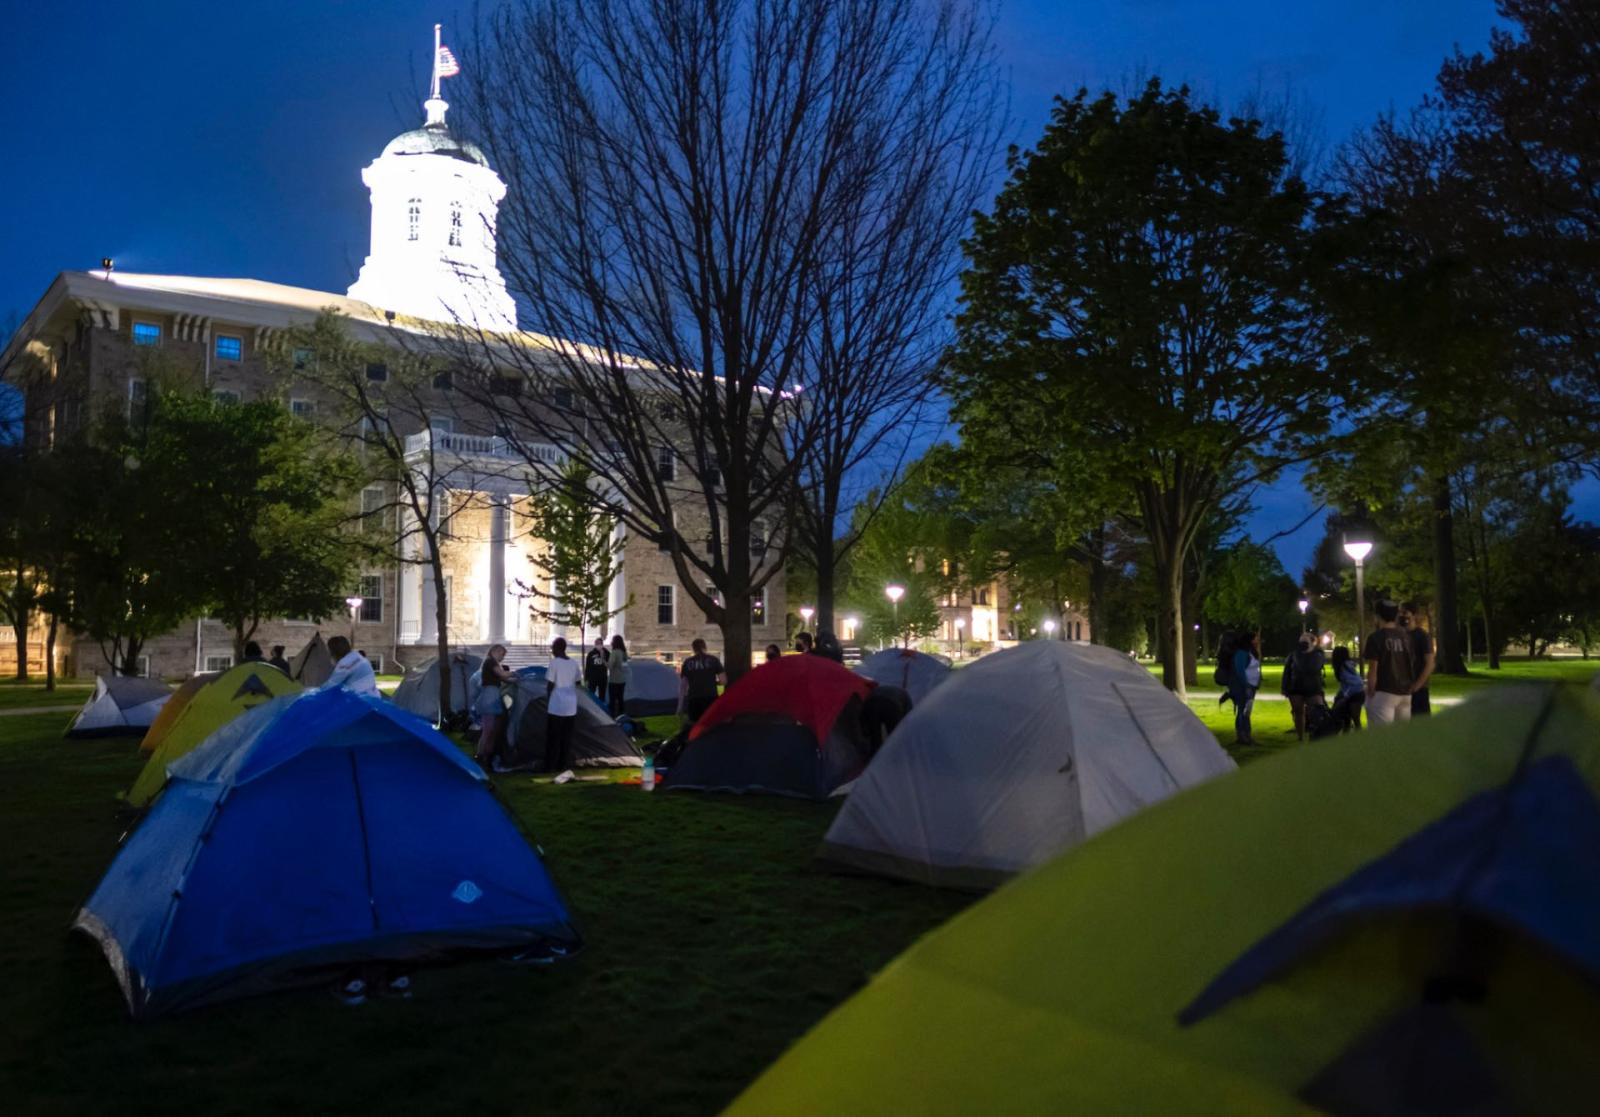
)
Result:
{"points": [[40, 710]]}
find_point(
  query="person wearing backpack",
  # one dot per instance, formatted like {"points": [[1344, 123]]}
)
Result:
{"points": [[1302, 682], [1245, 680], [1352, 694]]}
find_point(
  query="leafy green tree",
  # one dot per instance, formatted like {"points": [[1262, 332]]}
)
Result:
{"points": [[266, 505], [1138, 303], [1251, 588], [577, 550]]}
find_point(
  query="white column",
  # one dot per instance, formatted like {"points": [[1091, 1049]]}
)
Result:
{"points": [[499, 513], [429, 595]]}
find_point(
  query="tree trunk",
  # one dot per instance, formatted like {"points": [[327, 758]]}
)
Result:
{"points": [[826, 566], [441, 613], [1191, 674], [1169, 576], [1469, 643], [1446, 627], [130, 656], [1099, 575], [50, 655], [19, 628]]}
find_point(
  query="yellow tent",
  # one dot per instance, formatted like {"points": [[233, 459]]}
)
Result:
{"points": [[164, 721], [213, 703], [1401, 921]]}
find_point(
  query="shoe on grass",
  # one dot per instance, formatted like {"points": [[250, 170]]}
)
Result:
{"points": [[352, 992]]}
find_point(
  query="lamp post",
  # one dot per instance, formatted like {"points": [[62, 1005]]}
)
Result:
{"points": [[1304, 605], [851, 624], [960, 624], [354, 601], [894, 593], [1049, 629], [806, 613], [1359, 549]]}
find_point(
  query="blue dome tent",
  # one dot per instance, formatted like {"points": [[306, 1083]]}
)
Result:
{"points": [[316, 831]]}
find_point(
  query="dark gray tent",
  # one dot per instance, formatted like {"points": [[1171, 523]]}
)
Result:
{"points": [[652, 688], [914, 672], [419, 690], [313, 666], [597, 740]]}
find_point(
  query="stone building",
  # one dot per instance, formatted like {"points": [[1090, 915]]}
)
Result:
{"points": [[93, 336]]}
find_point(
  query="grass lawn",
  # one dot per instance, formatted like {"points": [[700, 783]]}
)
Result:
{"points": [[16, 696], [711, 944]]}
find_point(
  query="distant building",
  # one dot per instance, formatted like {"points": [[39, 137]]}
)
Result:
{"points": [[433, 257]]}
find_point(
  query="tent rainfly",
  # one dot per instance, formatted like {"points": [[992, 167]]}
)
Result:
{"points": [[912, 671], [121, 706], [1027, 752], [287, 848], [313, 666], [652, 689], [597, 740], [419, 690]]}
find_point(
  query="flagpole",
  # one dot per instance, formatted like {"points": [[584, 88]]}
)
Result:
{"points": [[435, 94]]}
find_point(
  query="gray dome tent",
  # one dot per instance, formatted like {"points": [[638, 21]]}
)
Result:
{"points": [[1022, 755], [313, 665], [597, 740], [912, 671], [652, 689], [419, 690], [120, 706]]}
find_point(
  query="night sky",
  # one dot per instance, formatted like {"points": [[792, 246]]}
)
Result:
{"points": [[227, 139]]}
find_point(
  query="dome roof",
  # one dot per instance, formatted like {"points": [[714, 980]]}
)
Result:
{"points": [[435, 140]]}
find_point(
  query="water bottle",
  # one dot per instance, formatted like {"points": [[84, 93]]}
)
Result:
{"points": [[648, 779]]}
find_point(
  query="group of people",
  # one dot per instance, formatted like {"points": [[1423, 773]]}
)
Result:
{"points": [[351, 668], [1398, 661]]}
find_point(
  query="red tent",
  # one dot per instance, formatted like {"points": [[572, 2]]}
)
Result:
{"points": [[809, 689], [792, 727]]}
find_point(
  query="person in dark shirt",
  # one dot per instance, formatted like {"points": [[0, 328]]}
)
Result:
{"points": [[828, 645], [803, 643], [1422, 659], [881, 710], [277, 659], [594, 670], [1390, 674], [774, 653], [698, 680], [1302, 681], [252, 653]]}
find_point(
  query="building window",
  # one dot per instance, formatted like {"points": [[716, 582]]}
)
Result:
{"points": [[758, 539], [666, 464], [229, 348], [664, 600], [455, 224], [449, 599], [508, 386], [758, 606], [441, 511], [672, 530], [304, 359], [376, 661], [443, 381], [377, 372], [303, 409], [374, 507], [146, 333], [144, 667], [441, 424], [562, 398], [413, 218], [219, 662], [371, 598], [225, 395], [980, 596]]}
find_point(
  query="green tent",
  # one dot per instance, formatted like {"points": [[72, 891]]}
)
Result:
{"points": [[1399, 921], [209, 706]]}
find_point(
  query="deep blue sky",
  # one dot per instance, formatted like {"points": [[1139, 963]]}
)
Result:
{"points": [[228, 139]]}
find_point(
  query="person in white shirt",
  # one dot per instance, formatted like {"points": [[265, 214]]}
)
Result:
{"points": [[350, 669], [561, 679]]}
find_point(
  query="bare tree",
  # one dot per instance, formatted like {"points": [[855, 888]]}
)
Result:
{"points": [[704, 200], [383, 396]]}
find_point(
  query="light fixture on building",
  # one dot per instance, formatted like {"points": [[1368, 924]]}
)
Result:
{"points": [[108, 264]]}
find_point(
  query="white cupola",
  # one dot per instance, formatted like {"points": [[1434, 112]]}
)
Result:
{"points": [[434, 202]]}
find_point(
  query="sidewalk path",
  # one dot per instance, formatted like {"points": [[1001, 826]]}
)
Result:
{"points": [[39, 710]]}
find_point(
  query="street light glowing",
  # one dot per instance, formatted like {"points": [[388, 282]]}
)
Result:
{"points": [[1358, 549], [1050, 626], [353, 602], [806, 613], [1304, 605], [894, 593]]}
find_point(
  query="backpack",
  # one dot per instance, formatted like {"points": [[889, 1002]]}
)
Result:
{"points": [[1223, 676], [1320, 721], [1307, 678]]}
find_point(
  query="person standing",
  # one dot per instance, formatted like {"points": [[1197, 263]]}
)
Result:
{"points": [[774, 653], [1422, 659], [617, 675], [803, 643], [594, 670], [561, 680], [1352, 693], [252, 653], [350, 669], [278, 660], [698, 680], [828, 645], [1302, 681], [490, 707], [1246, 680], [1387, 656]]}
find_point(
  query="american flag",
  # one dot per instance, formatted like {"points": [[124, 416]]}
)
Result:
{"points": [[446, 63]]}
